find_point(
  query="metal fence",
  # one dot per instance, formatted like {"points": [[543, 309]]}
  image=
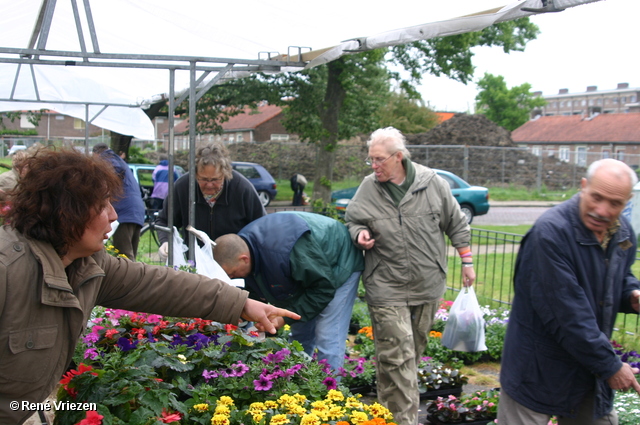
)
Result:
{"points": [[494, 257]]}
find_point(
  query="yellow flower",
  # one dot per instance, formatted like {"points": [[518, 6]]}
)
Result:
{"points": [[257, 417], [257, 407], [182, 359], [353, 403], [336, 412], [220, 420], [222, 409], [378, 411], [279, 420], [270, 404], [310, 419], [287, 328], [358, 417], [297, 410], [300, 398], [335, 395], [202, 407], [225, 401]]}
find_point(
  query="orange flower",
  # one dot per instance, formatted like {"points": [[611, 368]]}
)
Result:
{"points": [[368, 331], [434, 334]]}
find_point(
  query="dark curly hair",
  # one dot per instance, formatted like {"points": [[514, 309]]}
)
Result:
{"points": [[60, 193]]}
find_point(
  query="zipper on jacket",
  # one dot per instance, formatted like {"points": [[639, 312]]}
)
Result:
{"points": [[400, 216]]}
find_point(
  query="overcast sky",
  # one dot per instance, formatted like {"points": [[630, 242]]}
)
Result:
{"points": [[590, 45], [593, 44]]}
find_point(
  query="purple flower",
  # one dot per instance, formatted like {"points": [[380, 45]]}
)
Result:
{"points": [[209, 374], [240, 368], [91, 338], [330, 383], [197, 341], [91, 353], [125, 344], [262, 384]]}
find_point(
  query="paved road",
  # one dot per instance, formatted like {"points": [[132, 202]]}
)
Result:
{"points": [[507, 215]]}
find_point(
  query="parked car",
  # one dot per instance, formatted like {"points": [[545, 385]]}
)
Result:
{"points": [[15, 148], [142, 173], [473, 200], [260, 178]]}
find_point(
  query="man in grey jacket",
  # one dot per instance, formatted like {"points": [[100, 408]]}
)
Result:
{"points": [[399, 216]]}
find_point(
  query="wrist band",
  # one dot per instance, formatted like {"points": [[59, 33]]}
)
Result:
{"points": [[466, 254], [467, 264]]}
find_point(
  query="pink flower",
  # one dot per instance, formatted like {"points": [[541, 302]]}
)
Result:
{"points": [[168, 418]]}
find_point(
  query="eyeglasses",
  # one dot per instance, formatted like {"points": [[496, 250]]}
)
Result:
{"points": [[378, 161], [204, 181]]}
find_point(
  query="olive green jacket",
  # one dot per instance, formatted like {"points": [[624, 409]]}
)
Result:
{"points": [[408, 262], [44, 309]]}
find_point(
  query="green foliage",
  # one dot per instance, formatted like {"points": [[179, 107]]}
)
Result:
{"points": [[29, 132], [360, 314], [434, 375], [407, 115], [506, 107], [136, 156]]}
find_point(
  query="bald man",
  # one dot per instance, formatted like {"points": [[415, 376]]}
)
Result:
{"points": [[572, 277]]}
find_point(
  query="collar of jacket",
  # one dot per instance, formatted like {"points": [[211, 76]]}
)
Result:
{"points": [[584, 236], [57, 290]]}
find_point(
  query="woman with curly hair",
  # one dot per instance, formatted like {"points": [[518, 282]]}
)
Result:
{"points": [[54, 270]]}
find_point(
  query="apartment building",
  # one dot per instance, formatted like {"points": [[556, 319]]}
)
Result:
{"points": [[622, 99]]}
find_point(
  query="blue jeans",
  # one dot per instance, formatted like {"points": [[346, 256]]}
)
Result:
{"points": [[328, 330]]}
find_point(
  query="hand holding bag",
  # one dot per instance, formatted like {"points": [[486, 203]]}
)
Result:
{"points": [[464, 330]]}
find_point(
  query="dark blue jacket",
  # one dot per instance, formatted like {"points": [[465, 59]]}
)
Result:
{"points": [[130, 207], [299, 260], [568, 291]]}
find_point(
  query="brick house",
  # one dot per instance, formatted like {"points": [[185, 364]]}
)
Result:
{"points": [[582, 140], [261, 125]]}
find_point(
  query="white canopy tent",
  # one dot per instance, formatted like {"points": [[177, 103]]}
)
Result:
{"points": [[54, 54]]}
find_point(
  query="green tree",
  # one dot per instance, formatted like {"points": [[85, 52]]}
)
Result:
{"points": [[507, 107], [407, 115]]}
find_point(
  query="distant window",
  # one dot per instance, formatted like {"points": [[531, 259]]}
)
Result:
{"points": [[551, 152], [562, 104], [60, 117], [581, 156], [536, 150], [563, 154], [24, 122], [620, 155], [78, 124], [279, 137], [584, 102], [623, 100], [240, 137], [599, 102], [606, 153], [615, 100], [633, 99]]}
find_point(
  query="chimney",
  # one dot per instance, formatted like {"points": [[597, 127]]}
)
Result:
{"points": [[537, 93], [623, 86], [592, 88], [563, 91]]}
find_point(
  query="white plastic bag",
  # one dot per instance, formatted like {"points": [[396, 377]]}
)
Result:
{"points": [[179, 248], [464, 330], [205, 264]]}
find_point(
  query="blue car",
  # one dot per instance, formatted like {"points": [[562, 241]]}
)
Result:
{"points": [[260, 178], [473, 200]]}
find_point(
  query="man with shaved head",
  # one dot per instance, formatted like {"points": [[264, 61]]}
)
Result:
{"points": [[573, 275]]}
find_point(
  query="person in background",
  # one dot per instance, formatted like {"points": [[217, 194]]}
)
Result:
{"points": [[9, 179], [225, 200], [572, 277], [129, 207], [298, 183], [305, 262], [54, 269], [160, 177], [399, 216]]}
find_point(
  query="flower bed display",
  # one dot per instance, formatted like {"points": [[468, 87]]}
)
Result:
{"points": [[477, 408], [142, 369]]}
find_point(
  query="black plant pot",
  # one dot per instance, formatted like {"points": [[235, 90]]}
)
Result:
{"points": [[434, 421], [442, 392]]}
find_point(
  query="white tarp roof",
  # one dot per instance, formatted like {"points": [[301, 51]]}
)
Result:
{"points": [[248, 30]]}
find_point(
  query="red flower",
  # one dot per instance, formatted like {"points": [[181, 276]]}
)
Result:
{"points": [[168, 418], [92, 418], [110, 333], [230, 328], [66, 379]]}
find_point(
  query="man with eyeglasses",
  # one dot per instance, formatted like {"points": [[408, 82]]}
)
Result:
{"points": [[399, 216], [225, 200]]}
